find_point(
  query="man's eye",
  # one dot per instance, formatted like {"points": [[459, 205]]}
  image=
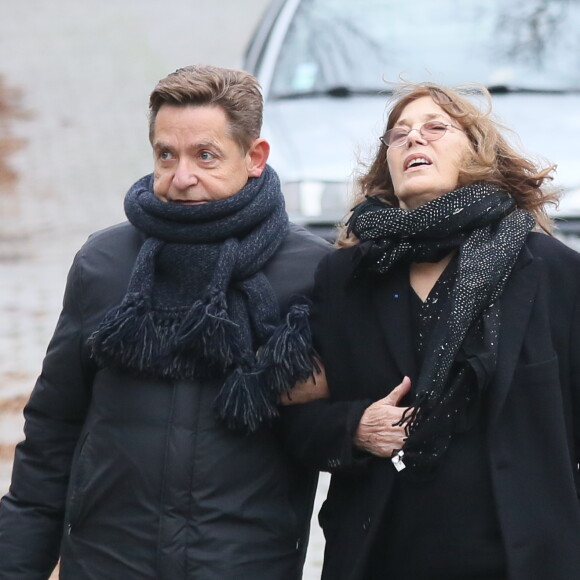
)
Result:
{"points": [[165, 155], [206, 156]]}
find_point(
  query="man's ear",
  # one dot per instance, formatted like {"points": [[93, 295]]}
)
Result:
{"points": [[257, 156]]}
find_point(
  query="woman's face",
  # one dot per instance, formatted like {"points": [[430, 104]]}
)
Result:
{"points": [[422, 170]]}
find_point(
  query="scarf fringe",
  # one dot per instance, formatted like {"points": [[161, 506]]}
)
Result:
{"points": [[207, 332], [129, 335], [249, 398], [243, 403], [288, 356], [413, 416], [132, 335], [164, 344]]}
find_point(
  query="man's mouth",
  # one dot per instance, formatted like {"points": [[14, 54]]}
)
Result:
{"points": [[189, 201]]}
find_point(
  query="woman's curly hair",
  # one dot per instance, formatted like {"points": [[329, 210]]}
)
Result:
{"points": [[490, 158]]}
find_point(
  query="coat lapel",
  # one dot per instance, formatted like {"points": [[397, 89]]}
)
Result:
{"points": [[391, 298], [516, 305]]}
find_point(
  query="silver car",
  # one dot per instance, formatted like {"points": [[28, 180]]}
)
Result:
{"points": [[327, 68]]}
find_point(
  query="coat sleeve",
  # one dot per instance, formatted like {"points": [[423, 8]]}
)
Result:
{"points": [[575, 390], [321, 433], [32, 513]]}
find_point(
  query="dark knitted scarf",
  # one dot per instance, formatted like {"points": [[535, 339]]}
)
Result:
{"points": [[483, 224], [198, 305]]}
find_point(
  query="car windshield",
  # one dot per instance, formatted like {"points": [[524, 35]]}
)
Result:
{"points": [[347, 46]]}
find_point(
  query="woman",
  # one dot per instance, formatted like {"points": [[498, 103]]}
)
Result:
{"points": [[450, 334]]}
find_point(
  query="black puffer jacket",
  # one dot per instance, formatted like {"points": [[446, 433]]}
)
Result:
{"points": [[135, 479]]}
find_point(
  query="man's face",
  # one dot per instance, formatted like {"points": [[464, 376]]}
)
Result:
{"points": [[196, 159]]}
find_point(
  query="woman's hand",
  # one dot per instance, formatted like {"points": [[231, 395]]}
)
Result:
{"points": [[315, 387], [376, 432]]}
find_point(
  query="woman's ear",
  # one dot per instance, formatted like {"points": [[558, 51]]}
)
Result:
{"points": [[257, 156]]}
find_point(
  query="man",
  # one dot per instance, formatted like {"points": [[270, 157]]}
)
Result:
{"points": [[151, 450]]}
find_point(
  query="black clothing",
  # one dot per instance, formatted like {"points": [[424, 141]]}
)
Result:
{"points": [[159, 488], [531, 413], [444, 528], [447, 527]]}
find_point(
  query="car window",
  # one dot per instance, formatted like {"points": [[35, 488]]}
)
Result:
{"points": [[520, 44]]}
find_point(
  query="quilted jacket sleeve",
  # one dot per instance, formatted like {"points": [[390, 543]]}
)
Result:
{"points": [[32, 513]]}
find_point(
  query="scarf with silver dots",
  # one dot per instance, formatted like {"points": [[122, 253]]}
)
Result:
{"points": [[482, 223]]}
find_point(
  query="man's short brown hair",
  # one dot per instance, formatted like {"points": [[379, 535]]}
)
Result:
{"points": [[236, 91]]}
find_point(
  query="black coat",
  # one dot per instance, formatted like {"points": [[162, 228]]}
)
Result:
{"points": [[134, 479], [533, 418]]}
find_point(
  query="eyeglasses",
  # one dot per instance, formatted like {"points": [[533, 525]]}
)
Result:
{"points": [[430, 131]]}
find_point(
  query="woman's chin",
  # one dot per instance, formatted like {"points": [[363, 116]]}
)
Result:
{"points": [[416, 197]]}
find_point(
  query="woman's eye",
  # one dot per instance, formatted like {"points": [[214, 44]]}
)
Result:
{"points": [[395, 137], [399, 134], [435, 127]]}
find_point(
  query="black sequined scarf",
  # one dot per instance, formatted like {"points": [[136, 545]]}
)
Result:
{"points": [[198, 305], [482, 222]]}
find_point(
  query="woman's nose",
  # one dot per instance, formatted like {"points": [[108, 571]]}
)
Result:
{"points": [[414, 136]]}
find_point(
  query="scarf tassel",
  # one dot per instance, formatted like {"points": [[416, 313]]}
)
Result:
{"points": [[208, 332], [129, 336], [249, 397], [243, 403], [413, 416], [288, 355]]}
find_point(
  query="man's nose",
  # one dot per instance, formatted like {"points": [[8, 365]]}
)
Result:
{"points": [[185, 174]]}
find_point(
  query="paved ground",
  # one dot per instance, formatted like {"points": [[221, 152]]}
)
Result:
{"points": [[85, 70]]}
